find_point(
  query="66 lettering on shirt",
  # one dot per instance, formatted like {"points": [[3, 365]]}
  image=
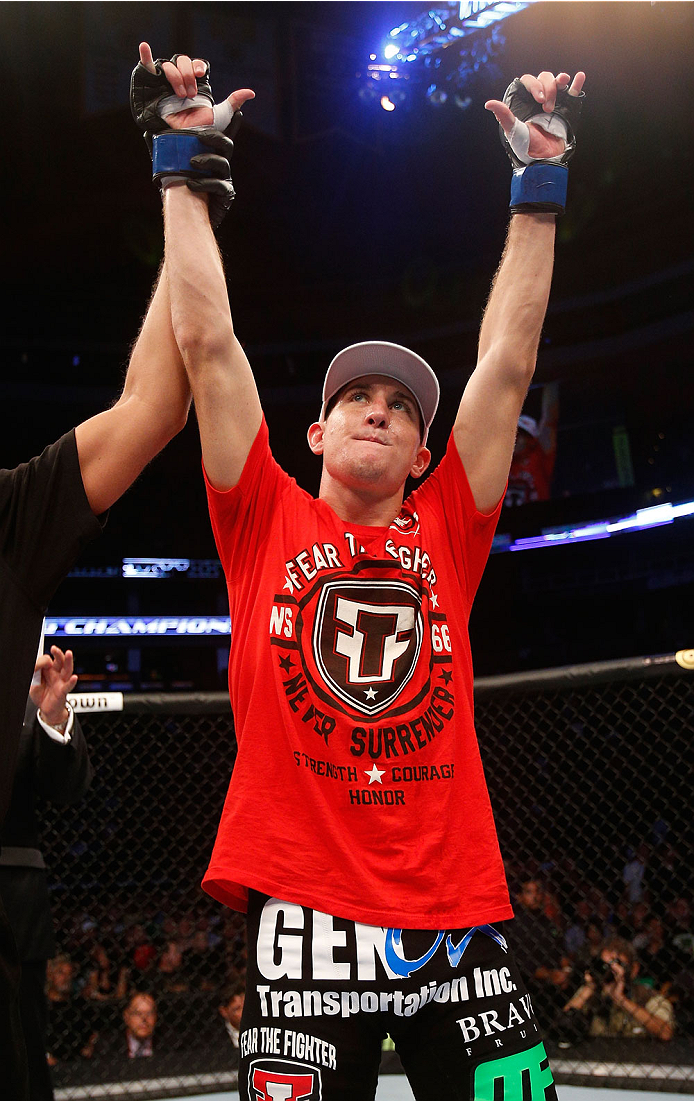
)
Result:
{"points": [[364, 659]]}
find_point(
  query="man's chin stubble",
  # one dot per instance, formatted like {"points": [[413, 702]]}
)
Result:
{"points": [[366, 472]]}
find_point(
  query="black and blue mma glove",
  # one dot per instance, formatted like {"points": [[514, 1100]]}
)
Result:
{"points": [[198, 155], [539, 185]]}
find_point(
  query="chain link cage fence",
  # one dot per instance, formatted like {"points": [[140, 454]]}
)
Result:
{"points": [[590, 776]]}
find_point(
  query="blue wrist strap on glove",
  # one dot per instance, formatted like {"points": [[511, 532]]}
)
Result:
{"points": [[539, 188], [171, 153]]}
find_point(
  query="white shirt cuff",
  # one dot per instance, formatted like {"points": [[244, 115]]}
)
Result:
{"points": [[56, 735]]}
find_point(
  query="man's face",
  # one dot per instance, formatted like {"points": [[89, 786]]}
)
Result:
{"points": [[531, 895], [654, 928], [371, 437], [141, 1016], [232, 1011], [681, 911], [593, 934], [61, 976]]}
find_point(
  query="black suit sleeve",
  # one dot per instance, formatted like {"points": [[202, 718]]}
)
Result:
{"points": [[62, 773]]}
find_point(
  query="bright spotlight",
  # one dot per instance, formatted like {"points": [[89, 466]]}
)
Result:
{"points": [[456, 35], [387, 104]]}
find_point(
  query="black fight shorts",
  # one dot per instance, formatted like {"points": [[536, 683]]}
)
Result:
{"points": [[322, 993]]}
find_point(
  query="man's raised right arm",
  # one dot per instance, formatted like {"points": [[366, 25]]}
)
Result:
{"points": [[224, 391]]}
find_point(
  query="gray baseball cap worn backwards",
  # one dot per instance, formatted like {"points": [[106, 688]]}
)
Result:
{"points": [[379, 357]]}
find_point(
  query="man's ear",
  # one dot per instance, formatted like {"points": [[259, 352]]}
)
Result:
{"points": [[315, 437], [421, 462]]}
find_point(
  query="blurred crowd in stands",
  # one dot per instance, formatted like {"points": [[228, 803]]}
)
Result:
{"points": [[129, 986], [601, 963]]}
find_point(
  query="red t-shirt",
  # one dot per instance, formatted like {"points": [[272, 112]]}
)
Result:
{"points": [[358, 788]]}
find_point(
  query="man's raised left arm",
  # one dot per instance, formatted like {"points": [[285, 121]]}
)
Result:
{"points": [[485, 427]]}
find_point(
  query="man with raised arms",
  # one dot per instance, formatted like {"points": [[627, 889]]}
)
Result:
{"points": [[357, 832]]}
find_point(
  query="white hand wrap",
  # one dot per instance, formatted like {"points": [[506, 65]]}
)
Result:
{"points": [[222, 113], [519, 136], [173, 105]]}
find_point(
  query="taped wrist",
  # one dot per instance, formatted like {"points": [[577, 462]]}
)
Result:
{"points": [[172, 181], [171, 154], [539, 188]]}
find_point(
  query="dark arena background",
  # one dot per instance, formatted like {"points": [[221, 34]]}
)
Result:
{"points": [[359, 219]]}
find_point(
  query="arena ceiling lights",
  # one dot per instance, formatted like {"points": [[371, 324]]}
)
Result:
{"points": [[437, 55]]}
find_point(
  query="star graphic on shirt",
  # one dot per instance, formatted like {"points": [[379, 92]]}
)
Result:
{"points": [[446, 675], [286, 663], [434, 600], [370, 694], [375, 775]]}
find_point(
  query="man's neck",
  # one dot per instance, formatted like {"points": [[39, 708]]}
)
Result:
{"points": [[360, 507]]}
